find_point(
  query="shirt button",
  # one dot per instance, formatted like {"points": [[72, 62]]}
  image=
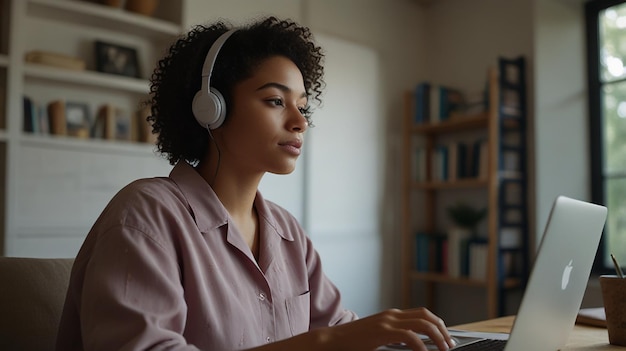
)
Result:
{"points": [[262, 296], [268, 339]]}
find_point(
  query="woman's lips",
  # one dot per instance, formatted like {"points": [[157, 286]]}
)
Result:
{"points": [[292, 146]]}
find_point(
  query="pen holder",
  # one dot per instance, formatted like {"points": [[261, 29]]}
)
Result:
{"points": [[614, 299]]}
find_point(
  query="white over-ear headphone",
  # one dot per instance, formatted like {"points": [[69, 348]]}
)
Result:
{"points": [[208, 105]]}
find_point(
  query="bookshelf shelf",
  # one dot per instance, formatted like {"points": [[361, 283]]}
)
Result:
{"points": [[454, 124], [112, 147], [482, 154], [101, 16], [86, 78]]}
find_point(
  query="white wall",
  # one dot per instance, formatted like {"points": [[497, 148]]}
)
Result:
{"points": [[467, 37], [561, 110], [561, 123], [344, 174]]}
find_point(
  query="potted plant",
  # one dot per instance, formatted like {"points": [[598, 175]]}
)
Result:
{"points": [[466, 217]]}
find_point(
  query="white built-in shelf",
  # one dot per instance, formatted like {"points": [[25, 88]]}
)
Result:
{"points": [[88, 78], [101, 16], [109, 147]]}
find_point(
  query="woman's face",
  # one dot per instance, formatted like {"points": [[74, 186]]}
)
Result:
{"points": [[264, 130]]}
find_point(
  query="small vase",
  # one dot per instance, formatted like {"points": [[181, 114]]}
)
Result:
{"points": [[143, 7]]}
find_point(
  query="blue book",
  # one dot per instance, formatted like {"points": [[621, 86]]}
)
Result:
{"points": [[422, 92], [462, 171], [450, 101], [422, 243]]}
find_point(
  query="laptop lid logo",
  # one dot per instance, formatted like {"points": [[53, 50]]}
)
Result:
{"points": [[566, 274]]}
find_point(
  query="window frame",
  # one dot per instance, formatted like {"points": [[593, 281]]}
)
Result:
{"points": [[595, 120]]}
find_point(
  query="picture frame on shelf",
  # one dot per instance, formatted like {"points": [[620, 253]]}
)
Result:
{"points": [[78, 119], [124, 126], [116, 59]]}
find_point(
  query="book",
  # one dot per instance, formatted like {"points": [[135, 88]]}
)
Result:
{"points": [[450, 101], [35, 117], [114, 123], [55, 60], [435, 105], [477, 257], [422, 251], [144, 128], [462, 160], [479, 159], [457, 238], [104, 125], [440, 163], [453, 161], [422, 102], [443, 102], [56, 117], [418, 169], [27, 114]]}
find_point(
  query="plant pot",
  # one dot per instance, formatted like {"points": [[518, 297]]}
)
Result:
{"points": [[142, 7]]}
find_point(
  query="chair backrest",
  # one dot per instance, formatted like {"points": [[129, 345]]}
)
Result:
{"points": [[32, 294]]}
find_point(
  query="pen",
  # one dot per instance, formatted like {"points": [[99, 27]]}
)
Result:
{"points": [[618, 269]]}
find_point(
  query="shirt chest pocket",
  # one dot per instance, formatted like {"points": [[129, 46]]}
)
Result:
{"points": [[298, 313]]}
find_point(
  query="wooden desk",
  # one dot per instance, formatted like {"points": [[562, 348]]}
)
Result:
{"points": [[581, 338]]}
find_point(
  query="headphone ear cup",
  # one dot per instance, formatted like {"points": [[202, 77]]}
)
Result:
{"points": [[219, 113], [209, 109], [208, 105]]}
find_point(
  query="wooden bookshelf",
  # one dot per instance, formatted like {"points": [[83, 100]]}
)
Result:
{"points": [[489, 125]]}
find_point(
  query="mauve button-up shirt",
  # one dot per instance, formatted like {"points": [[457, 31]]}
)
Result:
{"points": [[164, 268]]}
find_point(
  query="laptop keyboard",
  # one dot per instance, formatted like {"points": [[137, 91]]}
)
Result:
{"points": [[484, 345]]}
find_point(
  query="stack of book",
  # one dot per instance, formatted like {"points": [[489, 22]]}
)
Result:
{"points": [[435, 103]]}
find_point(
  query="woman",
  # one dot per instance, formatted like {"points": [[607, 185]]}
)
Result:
{"points": [[199, 260]]}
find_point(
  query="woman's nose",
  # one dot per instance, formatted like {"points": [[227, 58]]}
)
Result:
{"points": [[299, 122]]}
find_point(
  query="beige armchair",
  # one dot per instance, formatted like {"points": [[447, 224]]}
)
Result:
{"points": [[32, 294]]}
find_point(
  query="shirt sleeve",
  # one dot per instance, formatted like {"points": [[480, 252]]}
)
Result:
{"points": [[326, 308], [132, 298]]}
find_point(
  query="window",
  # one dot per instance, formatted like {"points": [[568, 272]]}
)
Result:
{"points": [[606, 57]]}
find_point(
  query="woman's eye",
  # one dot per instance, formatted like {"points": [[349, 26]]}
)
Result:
{"points": [[276, 102]]}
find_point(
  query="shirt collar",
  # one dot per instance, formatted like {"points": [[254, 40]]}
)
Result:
{"points": [[206, 207]]}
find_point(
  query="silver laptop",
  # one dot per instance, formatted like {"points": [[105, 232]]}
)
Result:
{"points": [[558, 279]]}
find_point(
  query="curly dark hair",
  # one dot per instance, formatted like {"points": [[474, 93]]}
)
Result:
{"points": [[177, 77]]}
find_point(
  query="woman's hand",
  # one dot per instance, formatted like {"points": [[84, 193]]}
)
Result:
{"points": [[387, 327]]}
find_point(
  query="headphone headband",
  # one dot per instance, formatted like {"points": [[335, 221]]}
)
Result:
{"points": [[211, 57], [209, 107]]}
